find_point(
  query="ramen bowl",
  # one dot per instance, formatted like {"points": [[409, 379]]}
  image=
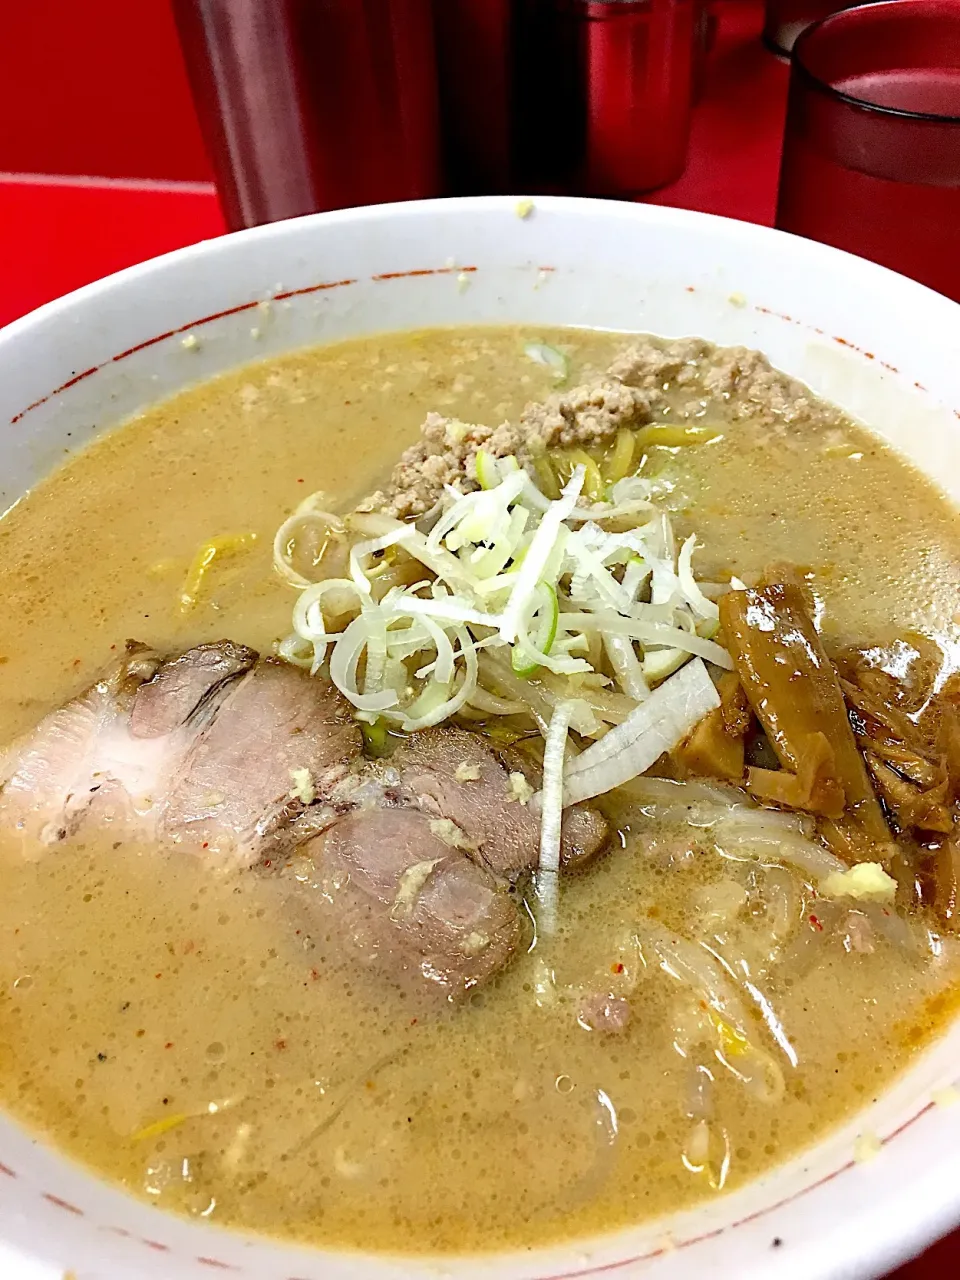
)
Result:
{"points": [[880, 346]]}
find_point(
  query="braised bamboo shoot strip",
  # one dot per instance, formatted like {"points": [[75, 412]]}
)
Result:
{"points": [[795, 693]]}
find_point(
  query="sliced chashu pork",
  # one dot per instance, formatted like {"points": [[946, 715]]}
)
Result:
{"points": [[452, 774], [404, 904], [196, 750], [180, 687], [199, 750], [234, 793], [82, 754]]}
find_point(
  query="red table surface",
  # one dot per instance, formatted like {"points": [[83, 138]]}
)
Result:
{"points": [[58, 235]]}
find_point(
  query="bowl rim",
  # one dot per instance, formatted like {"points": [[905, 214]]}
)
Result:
{"points": [[897, 1242], [666, 215]]}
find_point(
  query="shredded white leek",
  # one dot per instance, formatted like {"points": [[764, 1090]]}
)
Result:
{"points": [[549, 357], [551, 818], [547, 583], [310, 515], [694, 597], [538, 556], [554, 753]]}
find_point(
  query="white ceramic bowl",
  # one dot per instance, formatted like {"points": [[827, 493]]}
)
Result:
{"points": [[885, 348]]}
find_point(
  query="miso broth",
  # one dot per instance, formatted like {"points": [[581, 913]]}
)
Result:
{"points": [[180, 1031]]}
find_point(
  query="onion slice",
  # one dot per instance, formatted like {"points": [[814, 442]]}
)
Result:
{"points": [[656, 726], [551, 817], [550, 357], [310, 511], [552, 798], [694, 597]]}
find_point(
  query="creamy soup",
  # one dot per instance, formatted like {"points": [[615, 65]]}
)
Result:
{"points": [[188, 1030]]}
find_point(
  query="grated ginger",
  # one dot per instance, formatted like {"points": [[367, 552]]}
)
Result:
{"points": [[303, 788], [520, 789], [866, 881], [446, 829], [409, 889]]}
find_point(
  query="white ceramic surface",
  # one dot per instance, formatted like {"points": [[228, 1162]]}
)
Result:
{"points": [[885, 348]]}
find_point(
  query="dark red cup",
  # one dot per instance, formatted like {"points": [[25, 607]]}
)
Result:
{"points": [[306, 106], [785, 19], [871, 157], [602, 93], [474, 53]]}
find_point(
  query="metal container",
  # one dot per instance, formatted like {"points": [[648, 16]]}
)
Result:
{"points": [[308, 105], [603, 92], [474, 58]]}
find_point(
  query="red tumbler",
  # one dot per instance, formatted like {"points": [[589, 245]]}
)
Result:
{"points": [[602, 93], [871, 159], [705, 24], [313, 104], [474, 60], [785, 19]]}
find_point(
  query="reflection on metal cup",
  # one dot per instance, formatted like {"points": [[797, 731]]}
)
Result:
{"points": [[603, 92], [313, 104], [475, 41], [320, 104]]}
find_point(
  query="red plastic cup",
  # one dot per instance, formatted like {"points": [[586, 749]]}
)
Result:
{"points": [[307, 106], [603, 93], [871, 158], [785, 19], [474, 52], [638, 60], [705, 23]]}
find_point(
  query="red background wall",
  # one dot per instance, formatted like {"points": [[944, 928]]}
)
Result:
{"points": [[95, 87]]}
